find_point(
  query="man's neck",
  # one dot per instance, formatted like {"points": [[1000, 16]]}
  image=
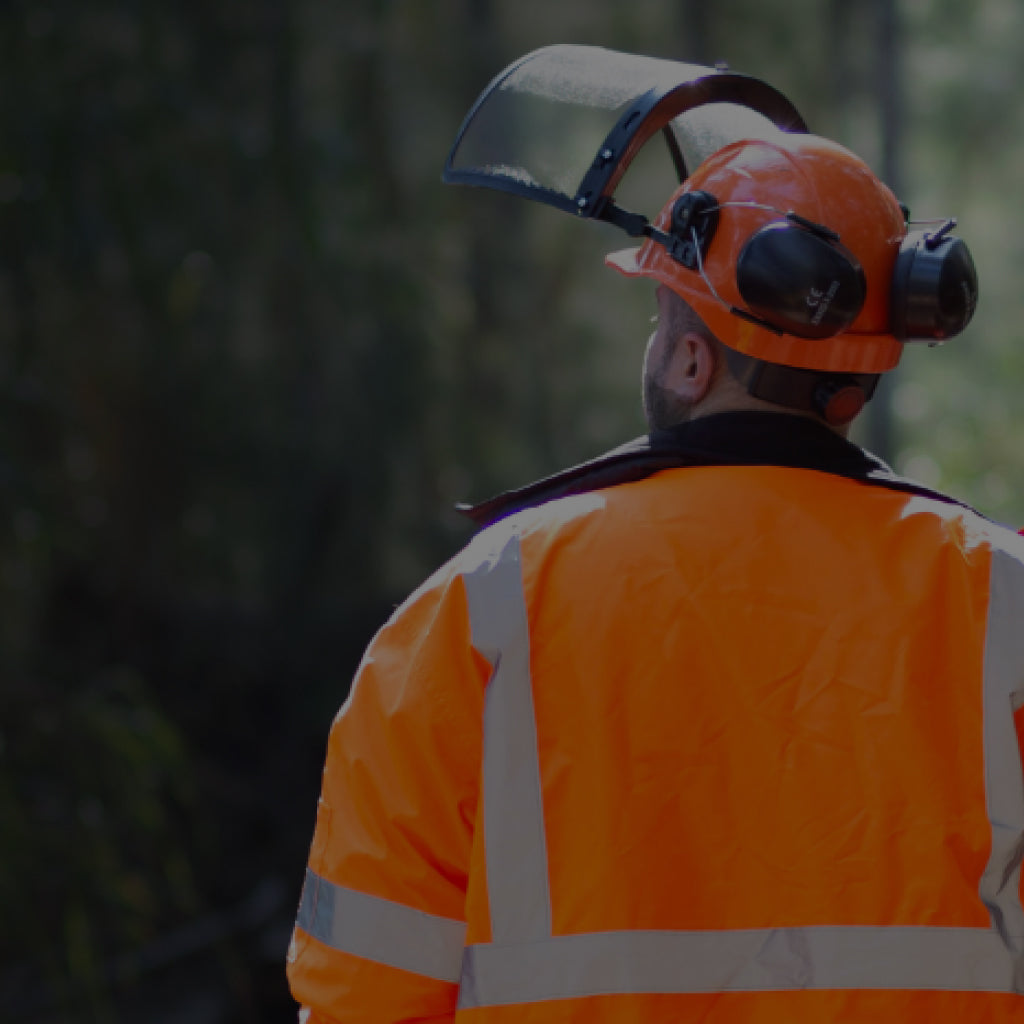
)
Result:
{"points": [[729, 396]]}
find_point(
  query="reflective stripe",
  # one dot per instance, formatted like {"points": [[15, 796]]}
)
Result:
{"points": [[380, 930], [514, 840], [622, 963], [1004, 773]]}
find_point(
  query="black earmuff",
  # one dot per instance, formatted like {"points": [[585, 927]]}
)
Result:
{"points": [[934, 286], [793, 274], [797, 276]]}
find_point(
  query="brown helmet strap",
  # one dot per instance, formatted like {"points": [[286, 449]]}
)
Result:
{"points": [[835, 397]]}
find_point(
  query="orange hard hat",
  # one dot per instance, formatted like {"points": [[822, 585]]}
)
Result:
{"points": [[786, 249]]}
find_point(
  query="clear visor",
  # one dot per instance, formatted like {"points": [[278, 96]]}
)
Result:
{"points": [[562, 124]]}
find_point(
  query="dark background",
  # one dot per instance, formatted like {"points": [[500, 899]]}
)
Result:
{"points": [[251, 353]]}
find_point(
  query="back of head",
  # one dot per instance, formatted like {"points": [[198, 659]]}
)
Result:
{"points": [[796, 255]]}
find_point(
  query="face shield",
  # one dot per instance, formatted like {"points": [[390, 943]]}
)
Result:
{"points": [[563, 124]]}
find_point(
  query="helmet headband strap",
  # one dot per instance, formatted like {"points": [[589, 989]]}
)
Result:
{"points": [[835, 397]]}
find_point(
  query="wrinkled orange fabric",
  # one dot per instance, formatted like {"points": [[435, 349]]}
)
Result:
{"points": [[758, 697]]}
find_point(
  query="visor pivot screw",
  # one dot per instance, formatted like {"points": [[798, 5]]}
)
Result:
{"points": [[606, 155], [582, 203]]}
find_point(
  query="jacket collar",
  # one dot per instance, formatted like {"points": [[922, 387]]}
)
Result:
{"points": [[725, 439]]}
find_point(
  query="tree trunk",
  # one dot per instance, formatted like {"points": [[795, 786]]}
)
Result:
{"points": [[890, 103]]}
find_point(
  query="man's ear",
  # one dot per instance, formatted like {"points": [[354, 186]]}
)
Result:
{"points": [[693, 367]]}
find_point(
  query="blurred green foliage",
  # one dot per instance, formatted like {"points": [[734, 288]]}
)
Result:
{"points": [[251, 352]]}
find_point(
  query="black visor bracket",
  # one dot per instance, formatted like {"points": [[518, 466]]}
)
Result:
{"points": [[655, 112]]}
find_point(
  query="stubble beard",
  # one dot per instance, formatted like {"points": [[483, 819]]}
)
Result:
{"points": [[663, 408]]}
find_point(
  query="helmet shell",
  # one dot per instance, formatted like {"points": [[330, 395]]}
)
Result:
{"points": [[819, 180]]}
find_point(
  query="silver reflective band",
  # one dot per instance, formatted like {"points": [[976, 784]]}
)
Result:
{"points": [[514, 839], [769, 960], [380, 930]]}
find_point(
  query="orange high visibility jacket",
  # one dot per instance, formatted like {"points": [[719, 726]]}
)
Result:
{"points": [[724, 744]]}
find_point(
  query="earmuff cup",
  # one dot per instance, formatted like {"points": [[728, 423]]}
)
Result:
{"points": [[795, 277], [802, 282], [934, 288]]}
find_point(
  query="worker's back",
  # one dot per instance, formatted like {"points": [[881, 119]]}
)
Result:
{"points": [[727, 744], [769, 738]]}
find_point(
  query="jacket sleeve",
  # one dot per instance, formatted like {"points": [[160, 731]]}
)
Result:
{"points": [[381, 923]]}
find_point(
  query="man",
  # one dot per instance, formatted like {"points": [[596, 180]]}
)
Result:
{"points": [[726, 725]]}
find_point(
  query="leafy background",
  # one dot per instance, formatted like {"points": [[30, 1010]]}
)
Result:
{"points": [[252, 352]]}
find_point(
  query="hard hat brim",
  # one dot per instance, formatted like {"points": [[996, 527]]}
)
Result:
{"points": [[625, 261]]}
